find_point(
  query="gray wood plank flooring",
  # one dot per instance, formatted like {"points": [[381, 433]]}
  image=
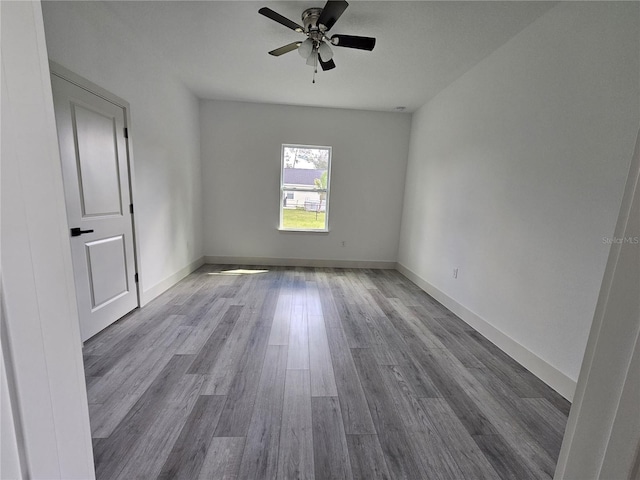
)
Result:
{"points": [[241, 372], [296, 441]]}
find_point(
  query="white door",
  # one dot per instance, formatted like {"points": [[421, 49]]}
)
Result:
{"points": [[95, 168]]}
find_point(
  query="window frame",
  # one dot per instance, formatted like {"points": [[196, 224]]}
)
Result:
{"points": [[304, 189]]}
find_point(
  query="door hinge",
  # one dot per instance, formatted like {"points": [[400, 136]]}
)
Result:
{"points": [[131, 208], [136, 277], [126, 132]]}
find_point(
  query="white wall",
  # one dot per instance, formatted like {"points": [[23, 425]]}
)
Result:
{"points": [[87, 38], [241, 144], [40, 319], [515, 175]]}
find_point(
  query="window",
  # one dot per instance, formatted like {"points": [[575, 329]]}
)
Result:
{"points": [[304, 188]]}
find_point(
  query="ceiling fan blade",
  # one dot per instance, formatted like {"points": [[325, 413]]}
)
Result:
{"points": [[286, 49], [275, 16], [331, 13], [327, 65], [353, 41]]}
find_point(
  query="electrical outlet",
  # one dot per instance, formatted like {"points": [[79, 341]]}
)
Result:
{"points": [[343, 243], [455, 273]]}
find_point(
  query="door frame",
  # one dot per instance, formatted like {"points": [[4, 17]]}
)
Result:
{"points": [[66, 74]]}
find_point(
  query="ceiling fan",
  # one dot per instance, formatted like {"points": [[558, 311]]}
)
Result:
{"points": [[317, 22]]}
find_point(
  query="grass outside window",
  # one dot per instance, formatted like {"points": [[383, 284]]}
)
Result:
{"points": [[302, 219]]}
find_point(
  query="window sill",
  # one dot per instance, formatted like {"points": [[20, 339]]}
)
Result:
{"points": [[302, 230]]}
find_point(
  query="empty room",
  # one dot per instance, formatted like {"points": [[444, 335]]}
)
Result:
{"points": [[320, 240]]}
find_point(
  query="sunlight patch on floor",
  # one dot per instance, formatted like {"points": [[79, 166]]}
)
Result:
{"points": [[238, 271]]}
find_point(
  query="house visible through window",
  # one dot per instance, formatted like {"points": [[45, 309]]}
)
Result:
{"points": [[304, 188]]}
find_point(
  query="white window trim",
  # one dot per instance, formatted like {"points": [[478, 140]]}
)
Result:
{"points": [[303, 189]]}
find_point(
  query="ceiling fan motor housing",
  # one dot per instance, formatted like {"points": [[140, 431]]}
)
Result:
{"points": [[310, 21]]}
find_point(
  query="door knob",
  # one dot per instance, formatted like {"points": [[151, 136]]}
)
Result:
{"points": [[76, 232]]}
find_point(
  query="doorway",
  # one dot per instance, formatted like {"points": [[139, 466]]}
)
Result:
{"points": [[93, 137]]}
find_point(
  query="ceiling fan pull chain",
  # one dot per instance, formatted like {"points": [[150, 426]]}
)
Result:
{"points": [[315, 66]]}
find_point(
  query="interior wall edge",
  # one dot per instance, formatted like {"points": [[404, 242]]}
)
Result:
{"points": [[159, 288], [546, 372], [13, 461], [299, 262], [39, 307], [602, 428]]}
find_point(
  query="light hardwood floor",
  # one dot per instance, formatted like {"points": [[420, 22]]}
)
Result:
{"points": [[311, 373]]}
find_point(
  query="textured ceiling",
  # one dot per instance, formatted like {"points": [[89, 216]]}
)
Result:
{"points": [[219, 48]]}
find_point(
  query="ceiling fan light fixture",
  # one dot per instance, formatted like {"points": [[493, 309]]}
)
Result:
{"points": [[305, 48], [325, 52], [312, 60]]}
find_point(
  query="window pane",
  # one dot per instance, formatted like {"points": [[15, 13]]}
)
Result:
{"points": [[305, 211], [304, 187], [306, 157]]}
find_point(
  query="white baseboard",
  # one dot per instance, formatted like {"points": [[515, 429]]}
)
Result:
{"points": [[299, 262], [170, 281], [536, 365]]}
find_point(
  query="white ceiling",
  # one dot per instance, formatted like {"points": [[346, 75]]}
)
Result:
{"points": [[219, 48]]}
